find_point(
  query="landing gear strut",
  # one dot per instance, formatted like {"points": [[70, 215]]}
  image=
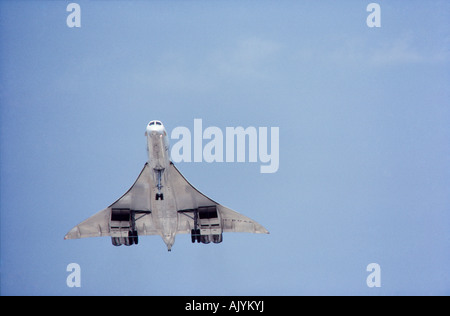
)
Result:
{"points": [[159, 173], [195, 233]]}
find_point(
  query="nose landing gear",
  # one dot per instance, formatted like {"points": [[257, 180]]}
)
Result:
{"points": [[159, 173]]}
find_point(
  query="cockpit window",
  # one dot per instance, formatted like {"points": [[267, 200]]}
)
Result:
{"points": [[158, 123], [152, 123]]}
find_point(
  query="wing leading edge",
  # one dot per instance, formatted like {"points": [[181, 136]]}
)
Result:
{"points": [[115, 220]]}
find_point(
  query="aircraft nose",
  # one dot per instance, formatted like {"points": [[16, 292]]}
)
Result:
{"points": [[155, 131], [155, 128]]}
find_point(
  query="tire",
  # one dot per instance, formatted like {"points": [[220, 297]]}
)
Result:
{"points": [[134, 237], [193, 237], [116, 241]]}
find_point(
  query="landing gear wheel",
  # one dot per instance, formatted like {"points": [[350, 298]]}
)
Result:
{"points": [[193, 237], [116, 241], [159, 196], [198, 237], [133, 236]]}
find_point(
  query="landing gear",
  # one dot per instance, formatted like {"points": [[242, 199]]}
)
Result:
{"points": [[132, 239], [123, 226], [195, 235], [116, 241], [207, 226], [159, 173], [133, 236]]}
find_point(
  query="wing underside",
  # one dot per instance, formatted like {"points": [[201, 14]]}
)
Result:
{"points": [[190, 200], [133, 212]]}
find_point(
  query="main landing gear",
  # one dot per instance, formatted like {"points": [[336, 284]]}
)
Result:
{"points": [[123, 226], [195, 235], [207, 227]]}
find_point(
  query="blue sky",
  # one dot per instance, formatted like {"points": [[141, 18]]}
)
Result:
{"points": [[364, 122]]}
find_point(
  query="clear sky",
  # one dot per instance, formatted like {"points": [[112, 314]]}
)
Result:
{"points": [[364, 120]]}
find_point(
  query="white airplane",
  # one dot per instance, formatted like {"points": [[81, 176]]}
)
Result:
{"points": [[162, 202]]}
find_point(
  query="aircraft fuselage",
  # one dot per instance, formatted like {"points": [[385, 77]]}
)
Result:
{"points": [[163, 209]]}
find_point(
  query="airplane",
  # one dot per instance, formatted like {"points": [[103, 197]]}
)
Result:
{"points": [[162, 202]]}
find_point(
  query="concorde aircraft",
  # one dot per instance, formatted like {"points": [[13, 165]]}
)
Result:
{"points": [[162, 202]]}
